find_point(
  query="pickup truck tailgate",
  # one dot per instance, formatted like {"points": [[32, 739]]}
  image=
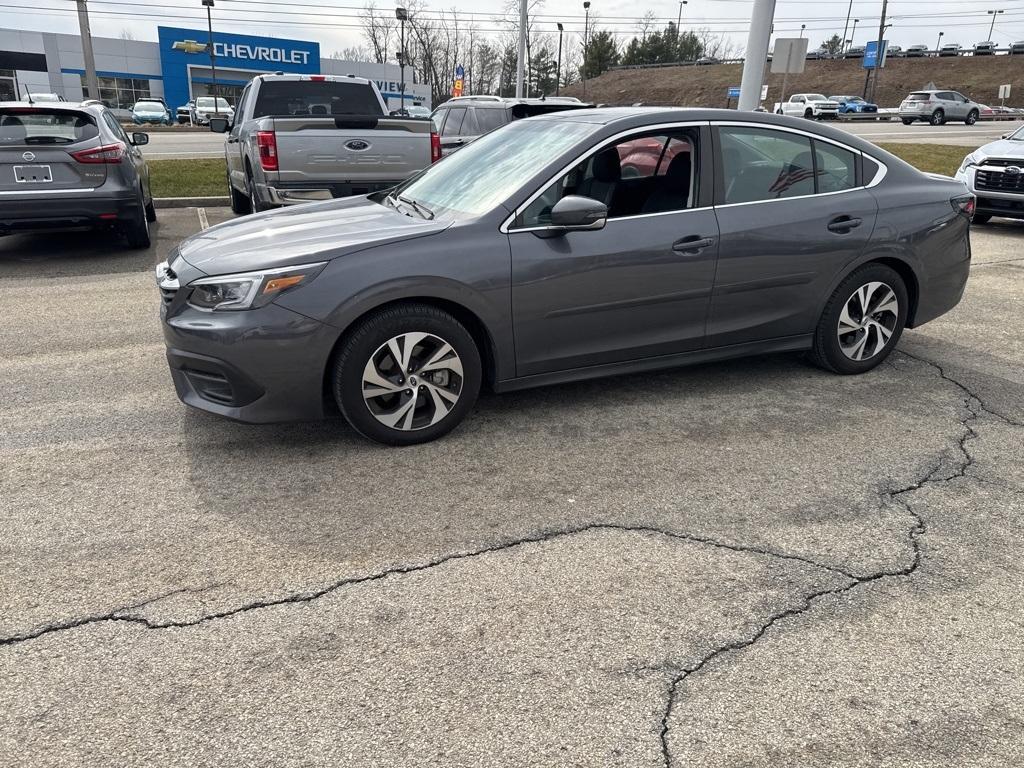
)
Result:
{"points": [[327, 149]]}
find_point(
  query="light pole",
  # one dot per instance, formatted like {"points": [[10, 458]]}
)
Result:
{"points": [[938, 43], [586, 41], [213, 56], [992, 26], [846, 27], [853, 32], [679, 18], [802, 28], [558, 71], [92, 88], [401, 14]]}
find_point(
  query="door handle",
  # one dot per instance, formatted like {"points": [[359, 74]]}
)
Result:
{"points": [[692, 244], [843, 224]]}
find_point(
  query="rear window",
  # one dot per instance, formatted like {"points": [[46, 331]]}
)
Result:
{"points": [[312, 97], [489, 119], [919, 97], [43, 127]]}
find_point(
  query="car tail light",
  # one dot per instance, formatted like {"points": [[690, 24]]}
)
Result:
{"points": [[109, 153], [266, 141], [964, 204], [317, 78], [435, 147]]}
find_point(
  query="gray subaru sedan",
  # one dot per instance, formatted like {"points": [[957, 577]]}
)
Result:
{"points": [[530, 258]]}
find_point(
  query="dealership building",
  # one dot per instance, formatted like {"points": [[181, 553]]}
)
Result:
{"points": [[177, 67]]}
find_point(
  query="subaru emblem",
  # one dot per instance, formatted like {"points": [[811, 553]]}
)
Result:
{"points": [[28, 157], [1013, 170], [357, 145]]}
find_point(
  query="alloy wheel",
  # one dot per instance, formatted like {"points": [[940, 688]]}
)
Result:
{"points": [[868, 320], [412, 381]]}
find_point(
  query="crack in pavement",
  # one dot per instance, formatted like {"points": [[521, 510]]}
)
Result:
{"points": [[974, 406], [123, 614]]}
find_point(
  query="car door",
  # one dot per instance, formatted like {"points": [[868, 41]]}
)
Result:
{"points": [[793, 212], [234, 148], [134, 153], [451, 131], [963, 105], [637, 288]]}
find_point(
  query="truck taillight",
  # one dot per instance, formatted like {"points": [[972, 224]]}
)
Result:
{"points": [[266, 142], [109, 153], [435, 147], [964, 204]]}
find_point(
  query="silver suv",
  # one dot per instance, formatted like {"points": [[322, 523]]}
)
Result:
{"points": [[938, 107], [994, 173]]}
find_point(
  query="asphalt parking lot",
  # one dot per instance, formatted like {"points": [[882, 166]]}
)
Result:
{"points": [[750, 563]]}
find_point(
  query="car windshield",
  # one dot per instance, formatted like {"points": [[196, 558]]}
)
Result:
{"points": [[149, 106], [39, 126], [1017, 135], [816, 97], [479, 176], [206, 102], [45, 97]]}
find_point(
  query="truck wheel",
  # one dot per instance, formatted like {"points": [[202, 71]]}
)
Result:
{"points": [[808, 114], [972, 117], [778, 111], [239, 202], [255, 204], [908, 121], [938, 117]]}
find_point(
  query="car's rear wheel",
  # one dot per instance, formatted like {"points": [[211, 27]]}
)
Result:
{"points": [[408, 374], [862, 321], [972, 117], [255, 204], [938, 117], [137, 230], [980, 218], [239, 203], [151, 210]]}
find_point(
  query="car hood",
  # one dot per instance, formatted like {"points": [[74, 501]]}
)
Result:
{"points": [[301, 234], [1002, 148]]}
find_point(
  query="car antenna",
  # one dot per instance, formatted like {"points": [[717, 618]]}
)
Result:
{"points": [[28, 94]]}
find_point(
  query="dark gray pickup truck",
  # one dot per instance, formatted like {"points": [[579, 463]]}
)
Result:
{"points": [[298, 138]]}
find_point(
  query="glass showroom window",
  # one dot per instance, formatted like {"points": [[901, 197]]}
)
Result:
{"points": [[123, 92]]}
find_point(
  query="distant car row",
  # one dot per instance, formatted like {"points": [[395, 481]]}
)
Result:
{"points": [[987, 48]]}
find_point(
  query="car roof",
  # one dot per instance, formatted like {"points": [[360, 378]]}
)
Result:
{"points": [[61, 106]]}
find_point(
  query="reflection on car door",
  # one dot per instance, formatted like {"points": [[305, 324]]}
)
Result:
{"points": [[638, 288], [234, 147], [790, 221]]}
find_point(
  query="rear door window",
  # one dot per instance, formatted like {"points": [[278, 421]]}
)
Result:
{"points": [[453, 125], [287, 98], [469, 125], [836, 167], [42, 127], [488, 120], [761, 164]]}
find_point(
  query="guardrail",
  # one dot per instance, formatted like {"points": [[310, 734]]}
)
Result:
{"points": [[829, 57]]}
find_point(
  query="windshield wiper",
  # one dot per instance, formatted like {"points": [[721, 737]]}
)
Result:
{"points": [[421, 209]]}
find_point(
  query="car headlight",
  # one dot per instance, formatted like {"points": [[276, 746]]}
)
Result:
{"points": [[969, 161], [248, 290]]}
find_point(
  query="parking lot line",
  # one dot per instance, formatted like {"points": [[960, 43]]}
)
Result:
{"points": [[204, 223]]}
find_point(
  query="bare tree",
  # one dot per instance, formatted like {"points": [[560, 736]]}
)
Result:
{"points": [[379, 30], [126, 34], [647, 24], [354, 53]]}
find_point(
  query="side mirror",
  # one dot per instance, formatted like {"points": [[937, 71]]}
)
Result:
{"points": [[573, 212], [140, 139], [219, 124]]}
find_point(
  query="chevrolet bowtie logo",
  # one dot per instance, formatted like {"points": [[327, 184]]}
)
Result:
{"points": [[189, 46]]}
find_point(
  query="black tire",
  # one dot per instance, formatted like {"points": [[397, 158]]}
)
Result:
{"points": [[778, 111], [255, 204], [137, 230], [808, 114], [907, 121], [150, 211], [981, 218], [938, 117], [827, 352], [365, 342], [972, 117], [239, 202]]}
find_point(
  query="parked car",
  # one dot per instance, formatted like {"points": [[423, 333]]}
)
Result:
{"points": [[43, 98], [464, 119], [298, 138], [416, 110], [809, 105], [186, 114], [66, 165], [988, 48], [707, 60], [819, 53], [950, 49], [917, 51], [938, 107], [1017, 48], [854, 105], [150, 112], [994, 173], [894, 52], [854, 52], [527, 259], [208, 107]]}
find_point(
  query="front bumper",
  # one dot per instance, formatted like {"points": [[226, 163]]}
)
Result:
{"points": [[991, 202], [53, 210], [259, 366]]}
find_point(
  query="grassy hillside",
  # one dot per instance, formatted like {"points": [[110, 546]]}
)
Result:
{"points": [[706, 86]]}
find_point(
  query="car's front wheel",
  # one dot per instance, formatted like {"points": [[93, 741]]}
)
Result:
{"points": [[407, 374], [862, 321], [972, 117]]}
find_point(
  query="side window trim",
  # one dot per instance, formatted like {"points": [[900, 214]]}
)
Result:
{"points": [[705, 185]]}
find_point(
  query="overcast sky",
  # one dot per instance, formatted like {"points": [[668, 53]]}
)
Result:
{"points": [[337, 26]]}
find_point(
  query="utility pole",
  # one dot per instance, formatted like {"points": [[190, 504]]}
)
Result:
{"points": [[992, 26], [879, 55], [558, 71], [757, 54], [401, 14], [679, 18], [213, 56], [92, 85], [521, 59], [586, 44], [846, 26], [853, 32]]}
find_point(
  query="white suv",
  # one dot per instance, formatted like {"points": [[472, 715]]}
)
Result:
{"points": [[938, 107], [994, 174]]}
